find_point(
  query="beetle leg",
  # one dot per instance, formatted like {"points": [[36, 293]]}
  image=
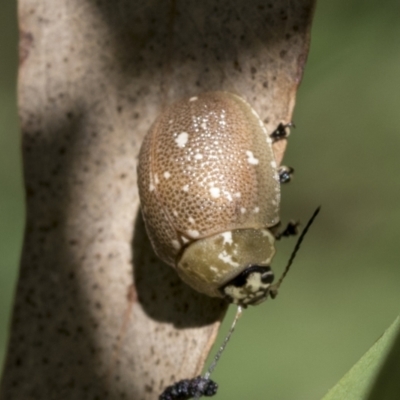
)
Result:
{"points": [[290, 230], [281, 132], [285, 174]]}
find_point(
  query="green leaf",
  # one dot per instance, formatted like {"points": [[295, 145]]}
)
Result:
{"points": [[377, 375]]}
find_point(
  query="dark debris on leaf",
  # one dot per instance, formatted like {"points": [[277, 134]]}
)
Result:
{"points": [[189, 388]]}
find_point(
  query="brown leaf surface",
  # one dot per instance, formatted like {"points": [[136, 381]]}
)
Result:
{"points": [[96, 314]]}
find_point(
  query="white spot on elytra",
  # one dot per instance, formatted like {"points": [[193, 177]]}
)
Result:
{"points": [[167, 175], [170, 121], [151, 185], [156, 180], [194, 98], [198, 156], [273, 164], [184, 239], [215, 192], [214, 269], [256, 210], [228, 196], [237, 194], [250, 158], [226, 258], [269, 140], [176, 244], [193, 233], [191, 220], [242, 210], [175, 213], [204, 125], [185, 188], [182, 139], [227, 237]]}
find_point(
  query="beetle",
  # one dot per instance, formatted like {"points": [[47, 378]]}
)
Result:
{"points": [[209, 189]]}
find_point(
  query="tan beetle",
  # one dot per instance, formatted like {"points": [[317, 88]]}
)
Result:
{"points": [[209, 188]]}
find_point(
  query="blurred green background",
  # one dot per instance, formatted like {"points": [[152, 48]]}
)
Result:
{"points": [[11, 192], [344, 288]]}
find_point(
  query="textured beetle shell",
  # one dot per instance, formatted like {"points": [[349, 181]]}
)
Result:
{"points": [[206, 166]]}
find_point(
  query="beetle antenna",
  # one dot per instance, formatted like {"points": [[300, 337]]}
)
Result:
{"points": [[274, 289], [224, 343], [222, 347]]}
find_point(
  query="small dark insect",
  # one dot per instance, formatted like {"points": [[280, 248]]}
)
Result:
{"points": [[188, 388]]}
